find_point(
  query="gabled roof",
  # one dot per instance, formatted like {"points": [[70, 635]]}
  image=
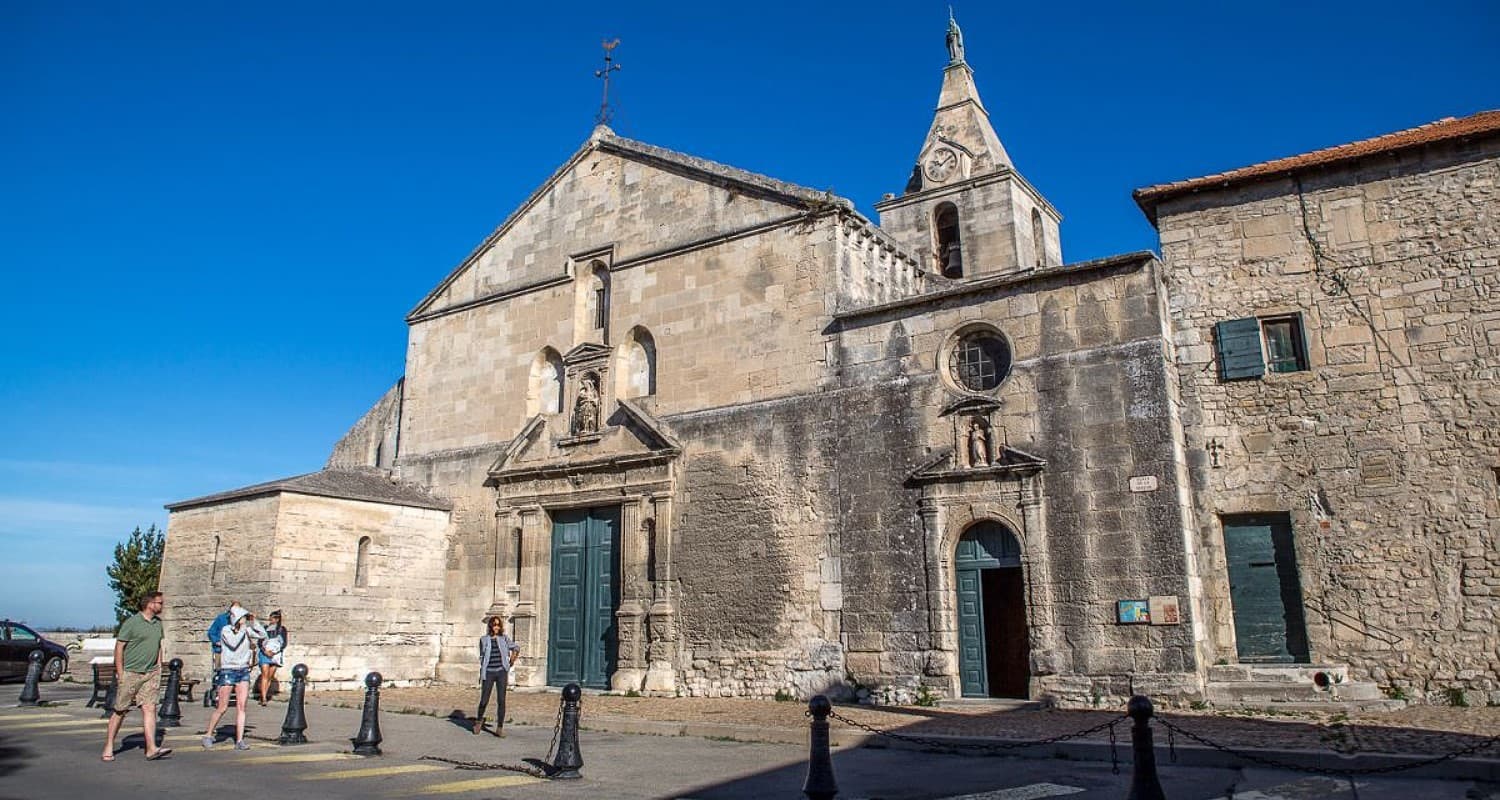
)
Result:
{"points": [[1448, 128], [605, 140], [347, 484]]}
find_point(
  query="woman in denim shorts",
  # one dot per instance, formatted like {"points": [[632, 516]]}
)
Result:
{"points": [[237, 642]]}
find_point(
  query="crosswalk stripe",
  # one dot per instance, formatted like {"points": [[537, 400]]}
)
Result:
{"points": [[370, 772], [477, 784], [54, 723], [293, 758]]}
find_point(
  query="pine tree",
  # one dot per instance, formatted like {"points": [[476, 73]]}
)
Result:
{"points": [[136, 569]]}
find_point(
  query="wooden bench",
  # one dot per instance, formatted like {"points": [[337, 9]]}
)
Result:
{"points": [[184, 686], [104, 684]]}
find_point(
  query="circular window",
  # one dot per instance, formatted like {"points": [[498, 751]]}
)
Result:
{"points": [[979, 361]]}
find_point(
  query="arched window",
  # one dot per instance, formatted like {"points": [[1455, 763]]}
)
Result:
{"points": [[544, 390], [599, 300], [362, 563], [213, 574], [1038, 238], [949, 252], [636, 374]]}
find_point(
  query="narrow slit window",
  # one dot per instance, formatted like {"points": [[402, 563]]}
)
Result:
{"points": [[362, 563]]}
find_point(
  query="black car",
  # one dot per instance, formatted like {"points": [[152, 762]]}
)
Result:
{"points": [[16, 643]]}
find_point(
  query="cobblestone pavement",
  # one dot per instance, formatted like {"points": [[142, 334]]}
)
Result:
{"points": [[1412, 730]]}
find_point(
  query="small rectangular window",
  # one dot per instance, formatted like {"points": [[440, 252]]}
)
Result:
{"points": [[601, 308], [1286, 349]]}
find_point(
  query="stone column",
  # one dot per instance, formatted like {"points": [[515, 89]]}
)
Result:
{"points": [[525, 629], [1047, 654], [504, 520], [942, 653], [630, 664], [661, 652]]}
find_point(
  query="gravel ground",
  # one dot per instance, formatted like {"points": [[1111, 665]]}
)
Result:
{"points": [[1412, 730]]}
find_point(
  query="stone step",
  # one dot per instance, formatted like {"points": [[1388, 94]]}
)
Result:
{"points": [[1278, 673], [1254, 693]]}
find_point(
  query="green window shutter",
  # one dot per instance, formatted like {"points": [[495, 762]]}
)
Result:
{"points": [[1238, 343], [1302, 339]]}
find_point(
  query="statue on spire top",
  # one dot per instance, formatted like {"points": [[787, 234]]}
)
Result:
{"points": [[955, 40]]}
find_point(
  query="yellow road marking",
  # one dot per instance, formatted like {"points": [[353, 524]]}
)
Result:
{"points": [[29, 715], [477, 784], [97, 723], [371, 772], [290, 758]]}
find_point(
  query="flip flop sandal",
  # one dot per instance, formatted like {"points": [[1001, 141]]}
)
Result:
{"points": [[161, 752], [110, 757]]}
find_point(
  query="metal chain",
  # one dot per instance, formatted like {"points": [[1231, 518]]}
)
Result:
{"points": [[1331, 772], [481, 765], [1171, 746], [1114, 754], [984, 747], [557, 730]]}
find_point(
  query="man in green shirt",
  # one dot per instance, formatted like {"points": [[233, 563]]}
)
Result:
{"points": [[138, 657]]}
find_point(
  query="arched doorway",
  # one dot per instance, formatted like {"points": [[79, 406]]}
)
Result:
{"points": [[994, 653]]}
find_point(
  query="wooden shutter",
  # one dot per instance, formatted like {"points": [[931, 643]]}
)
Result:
{"points": [[1238, 344]]}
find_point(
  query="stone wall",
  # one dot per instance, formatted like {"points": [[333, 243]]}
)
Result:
{"points": [[1088, 393], [1383, 452], [297, 553], [372, 441]]}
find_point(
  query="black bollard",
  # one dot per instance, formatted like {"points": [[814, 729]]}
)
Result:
{"points": [[171, 712], [367, 741], [820, 784], [569, 759], [296, 720], [31, 693], [1144, 784]]}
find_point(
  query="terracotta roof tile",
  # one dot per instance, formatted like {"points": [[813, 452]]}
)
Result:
{"points": [[1485, 122]]}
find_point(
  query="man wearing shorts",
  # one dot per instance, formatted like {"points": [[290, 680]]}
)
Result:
{"points": [[138, 656]]}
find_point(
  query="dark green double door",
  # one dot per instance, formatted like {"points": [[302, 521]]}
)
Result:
{"points": [[994, 651], [585, 591], [1264, 589]]}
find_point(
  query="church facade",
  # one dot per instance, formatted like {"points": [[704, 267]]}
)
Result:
{"points": [[692, 430]]}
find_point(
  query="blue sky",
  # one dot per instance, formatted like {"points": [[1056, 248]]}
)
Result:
{"points": [[214, 217]]}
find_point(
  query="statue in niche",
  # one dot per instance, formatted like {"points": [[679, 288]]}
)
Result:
{"points": [[979, 445], [586, 407]]}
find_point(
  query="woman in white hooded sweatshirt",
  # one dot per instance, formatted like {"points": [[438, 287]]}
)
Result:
{"points": [[237, 642]]}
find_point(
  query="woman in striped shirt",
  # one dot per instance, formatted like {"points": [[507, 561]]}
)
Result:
{"points": [[497, 653]]}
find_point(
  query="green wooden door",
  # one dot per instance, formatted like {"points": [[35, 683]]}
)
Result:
{"points": [[1264, 589], [585, 591], [985, 546]]}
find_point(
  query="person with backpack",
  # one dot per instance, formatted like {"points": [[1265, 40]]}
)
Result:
{"points": [[237, 641]]}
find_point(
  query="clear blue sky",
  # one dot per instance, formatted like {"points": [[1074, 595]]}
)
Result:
{"points": [[214, 216]]}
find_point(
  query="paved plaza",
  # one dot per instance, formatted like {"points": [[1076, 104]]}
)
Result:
{"points": [[53, 752]]}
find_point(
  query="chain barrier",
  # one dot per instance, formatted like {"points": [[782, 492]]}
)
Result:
{"points": [[557, 730], [481, 765], [1332, 772], [991, 747]]}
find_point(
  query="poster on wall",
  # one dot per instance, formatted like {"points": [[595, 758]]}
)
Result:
{"points": [[1133, 612], [1164, 610]]}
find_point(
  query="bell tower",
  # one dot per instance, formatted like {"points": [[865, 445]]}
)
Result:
{"points": [[965, 210]]}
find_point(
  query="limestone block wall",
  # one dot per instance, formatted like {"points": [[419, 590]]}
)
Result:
{"points": [[298, 553], [213, 555], [344, 630], [1088, 393], [372, 441], [1384, 452], [757, 593]]}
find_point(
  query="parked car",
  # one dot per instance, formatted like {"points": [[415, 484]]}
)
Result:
{"points": [[16, 643]]}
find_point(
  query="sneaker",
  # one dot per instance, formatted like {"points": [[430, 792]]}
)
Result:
{"points": [[242, 745], [208, 743]]}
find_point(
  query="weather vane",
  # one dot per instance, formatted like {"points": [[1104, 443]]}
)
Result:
{"points": [[609, 66]]}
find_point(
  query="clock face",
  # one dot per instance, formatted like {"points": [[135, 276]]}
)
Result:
{"points": [[941, 163]]}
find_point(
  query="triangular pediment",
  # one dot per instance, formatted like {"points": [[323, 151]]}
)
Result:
{"points": [[587, 352], [630, 437], [945, 466], [637, 197]]}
